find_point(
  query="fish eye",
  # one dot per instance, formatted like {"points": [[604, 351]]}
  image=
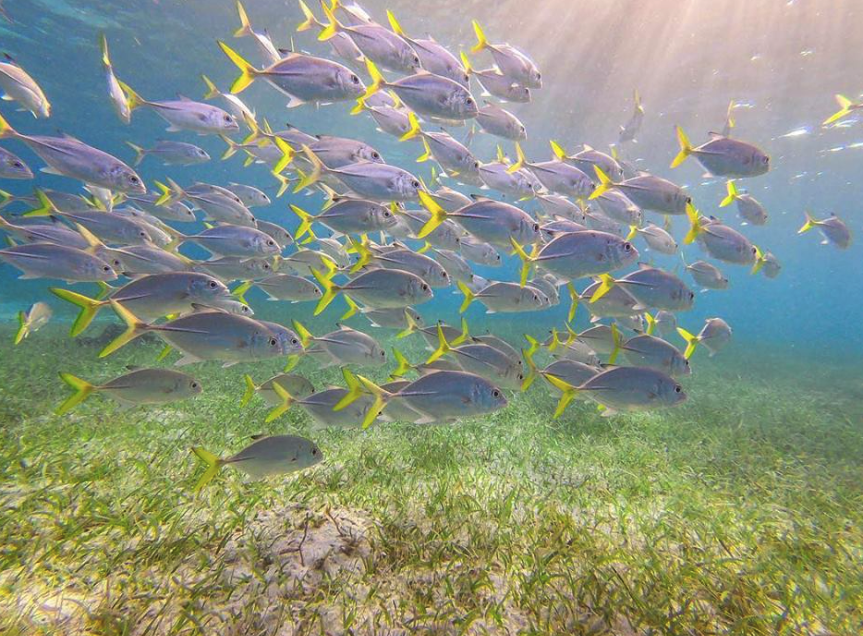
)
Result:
{"points": [[134, 179], [267, 266], [273, 342], [691, 295], [383, 354], [194, 385], [387, 214], [424, 287], [677, 389], [627, 247], [469, 101], [689, 199], [536, 227], [106, 268], [213, 284], [228, 118], [538, 75], [415, 184], [376, 155], [314, 451], [466, 77], [355, 79], [294, 341], [495, 393], [271, 242], [476, 165], [17, 164], [416, 60]]}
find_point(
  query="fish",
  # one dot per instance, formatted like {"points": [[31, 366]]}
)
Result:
{"points": [[846, 107], [303, 78], [402, 258], [262, 39], [13, 167], [276, 232], [652, 287], [630, 130], [833, 229], [500, 122], [479, 252], [723, 156], [729, 119], [140, 260], [250, 196], [118, 97], [556, 176], [650, 351], [747, 206], [18, 86], [59, 262], [624, 390], [771, 265], [172, 153], [656, 238], [266, 456], [433, 57], [483, 360], [233, 240], [340, 43], [510, 61], [723, 242], [664, 323], [235, 106], [392, 121], [453, 156], [494, 222], [647, 191], [287, 287], [296, 385], [56, 233], [72, 158], [30, 321], [394, 318], [715, 334], [427, 94], [219, 204], [377, 288], [521, 183], [504, 297], [203, 335], [707, 275], [343, 346], [138, 387], [347, 216], [168, 211], [556, 205], [150, 297], [496, 83], [186, 114], [589, 157], [618, 207]]}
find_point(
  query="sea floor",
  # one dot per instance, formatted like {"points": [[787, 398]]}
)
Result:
{"points": [[740, 512]]}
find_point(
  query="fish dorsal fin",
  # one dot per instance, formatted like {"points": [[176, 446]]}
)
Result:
{"points": [[587, 148], [643, 266], [643, 173], [258, 436], [183, 98], [479, 197], [10, 59], [491, 105], [715, 135]]}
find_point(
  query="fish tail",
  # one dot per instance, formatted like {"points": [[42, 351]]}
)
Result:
{"points": [[46, 206], [245, 25], [23, 327], [140, 153], [633, 232], [353, 308], [568, 393], [732, 194], [6, 130], [230, 151], [240, 291], [378, 80], [167, 194], [526, 261], [651, 323], [438, 215], [414, 130], [573, 302], [466, 63], [361, 247], [132, 98], [558, 150], [443, 346], [605, 183], [469, 297], [288, 154], [282, 408], [89, 308], [809, 224], [247, 71], [355, 390], [134, 328], [694, 224], [213, 464], [481, 41], [315, 175], [250, 390], [685, 148], [382, 398], [212, 91], [404, 365], [520, 160], [254, 130], [103, 43], [332, 27], [759, 260], [427, 154], [465, 333], [729, 116], [306, 221], [310, 21], [555, 340], [396, 27], [284, 184], [617, 340], [412, 327], [605, 285], [292, 361], [691, 342], [636, 96], [305, 335], [331, 290], [844, 110], [82, 390], [5, 199], [360, 106], [531, 365]]}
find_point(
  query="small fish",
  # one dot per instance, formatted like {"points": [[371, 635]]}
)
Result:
{"points": [[347, 216], [169, 211], [772, 266], [233, 240], [724, 157], [229, 268], [219, 204], [652, 287], [846, 107], [118, 97], [289, 288], [653, 352], [139, 386], [483, 360], [624, 389], [296, 385], [266, 456], [186, 114], [276, 232], [377, 289], [394, 318], [172, 153], [341, 43], [402, 258], [234, 104], [748, 208], [707, 275], [452, 155], [72, 158], [497, 84], [557, 176], [140, 260], [56, 233], [630, 130], [427, 94], [18, 86], [262, 39], [433, 57], [587, 158], [618, 207], [722, 242], [500, 122], [392, 121], [715, 334], [13, 167], [501, 297], [343, 346], [617, 303], [455, 265], [30, 321], [494, 222], [59, 262], [249, 195], [833, 229], [656, 238], [556, 205], [480, 252], [511, 62], [303, 78], [647, 192], [521, 184]]}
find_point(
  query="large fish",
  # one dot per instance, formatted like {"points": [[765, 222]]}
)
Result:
{"points": [[723, 156], [17, 85], [139, 386]]}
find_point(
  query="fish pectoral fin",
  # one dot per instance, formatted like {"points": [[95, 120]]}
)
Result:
{"points": [[187, 358]]}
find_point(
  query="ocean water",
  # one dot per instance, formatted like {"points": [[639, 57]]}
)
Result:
{"points": [[738, 512]]}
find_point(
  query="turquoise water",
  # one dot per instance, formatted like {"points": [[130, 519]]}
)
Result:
{"points": [[757, 475]]}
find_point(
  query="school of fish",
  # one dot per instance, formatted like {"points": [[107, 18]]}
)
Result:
{"points": [[582, 226]]}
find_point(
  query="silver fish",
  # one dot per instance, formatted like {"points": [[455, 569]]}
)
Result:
{"points": [[13, 167], [723, 156], [47, 260], [172, 153], [17, 85]]}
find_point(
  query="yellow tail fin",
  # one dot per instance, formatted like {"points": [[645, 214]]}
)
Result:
{"points": [[382, 397], [306, 221], [404, 365], [132, 98], [412, 327], [617, 341], [89, 308], [250, 390], [844, 109], [465, 333], [531, 365], [694, 224], [438, 214], [481, 41], [331, 290], [134, 328], [469, 297], [103, 43], [396, 27], [355, 390], [809, 224], [427, 153], [759, 260], [140, 153], [685, 148], [23, 328], [691, 342], [288, 154], [82, 390], [732, 194], [333, 25], [310, 21], [605, 183], [46, 206], [315, 175], [633, 232], [6, 130], [573, 302], [519, 164], [568, 393], [558, 151], [245, 26], [651, 323], [377, 79], [443, 346], [213, 463], [282, 408], [526, 261], [247, 71], [414, 130], [466, 63], [605, 285], [212, 91]]}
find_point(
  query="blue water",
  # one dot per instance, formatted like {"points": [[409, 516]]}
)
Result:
{"points": [[782, 60]]}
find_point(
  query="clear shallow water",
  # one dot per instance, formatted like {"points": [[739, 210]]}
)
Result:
{"points": [[767, 449]]}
